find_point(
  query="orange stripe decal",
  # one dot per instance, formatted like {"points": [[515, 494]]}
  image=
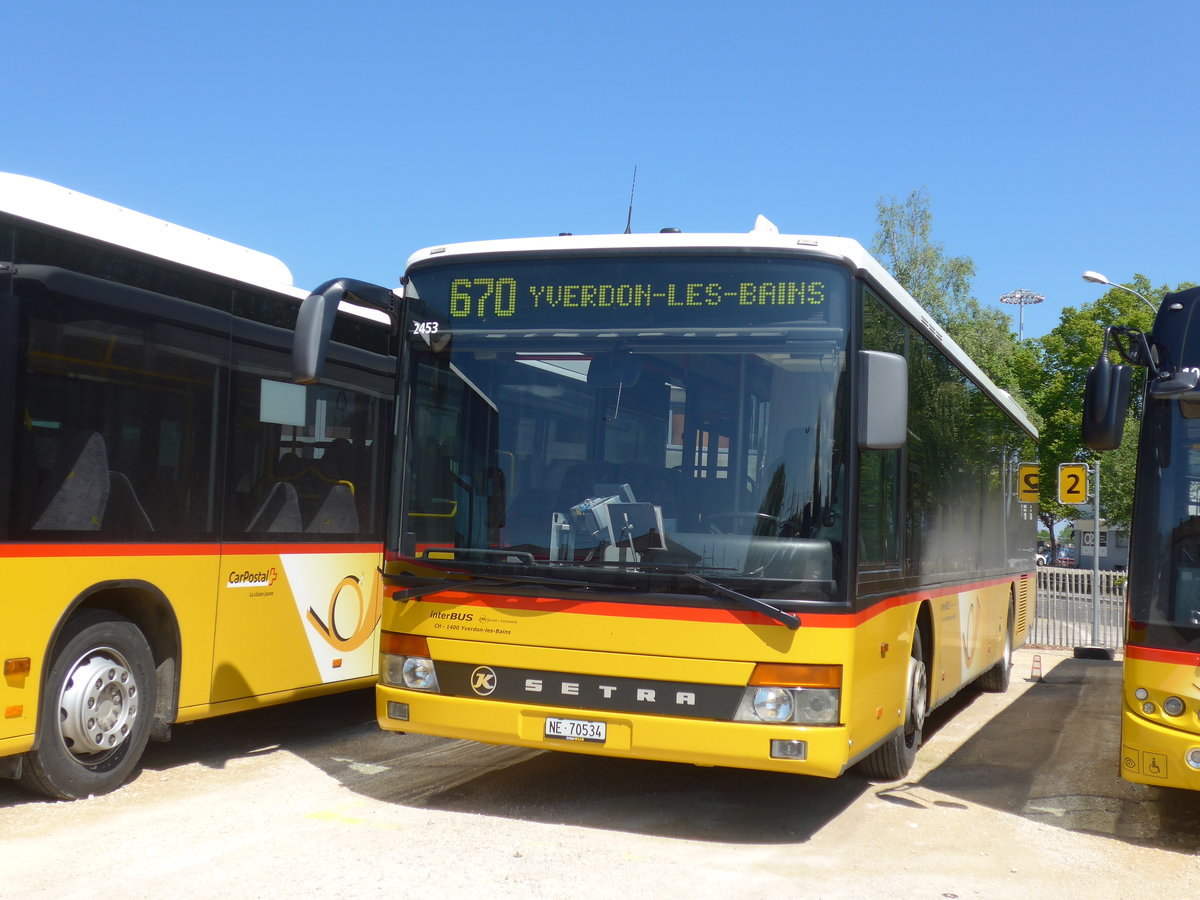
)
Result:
{"points": [[645, 609], [42, 551], [1154, 654]]}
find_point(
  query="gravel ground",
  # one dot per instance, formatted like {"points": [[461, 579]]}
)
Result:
{"points": [[1013, 796]]}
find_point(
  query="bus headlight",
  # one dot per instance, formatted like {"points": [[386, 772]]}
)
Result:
{"points": [[818, 707], [1173, 706], [1192, 757], [773, 704], [414, 672], [418, 673], [790, 706], [792, 694], [404, 662]]}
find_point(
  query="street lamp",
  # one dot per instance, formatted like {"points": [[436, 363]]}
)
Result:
{"points": [[1097, 278], [1021, 298]]}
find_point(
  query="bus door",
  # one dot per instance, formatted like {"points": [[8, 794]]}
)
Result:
{"points": [[299, 590]]}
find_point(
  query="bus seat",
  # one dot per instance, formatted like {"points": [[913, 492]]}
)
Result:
{"points": [[124, 513], [337, 514], [279, 512], [337, 460], [75, 491]]}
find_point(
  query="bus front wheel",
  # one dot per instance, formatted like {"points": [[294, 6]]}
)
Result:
{"points": [[97, 709], [893, 759]]}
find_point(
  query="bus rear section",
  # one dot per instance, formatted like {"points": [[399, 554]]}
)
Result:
{"points": [[694, 498], [183, 531]]}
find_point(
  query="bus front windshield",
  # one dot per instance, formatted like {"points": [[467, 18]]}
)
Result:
{"points": [[630, 422], [1164, 579]]}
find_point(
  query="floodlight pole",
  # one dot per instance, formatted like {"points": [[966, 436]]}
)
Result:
{"points": [[1021, 298]]}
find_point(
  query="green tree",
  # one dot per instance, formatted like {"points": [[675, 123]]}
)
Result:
{"points": [[904, 244], [1067, 353]]}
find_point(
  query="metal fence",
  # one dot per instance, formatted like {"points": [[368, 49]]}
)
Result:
{"points": [[1066, 615]]}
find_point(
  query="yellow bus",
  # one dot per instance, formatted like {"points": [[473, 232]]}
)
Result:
{"points": [[1160, 715], [720, 499], [185, 530]]}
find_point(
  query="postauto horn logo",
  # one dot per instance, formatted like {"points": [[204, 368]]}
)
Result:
{"points": [[351, 617]]}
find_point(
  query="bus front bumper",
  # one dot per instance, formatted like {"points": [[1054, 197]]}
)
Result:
{"points": [[825, 751], [1155, 754]]}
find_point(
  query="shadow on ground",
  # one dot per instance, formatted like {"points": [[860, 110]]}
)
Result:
{"points": [[1052, 756], [637, 796], [213, 743]]}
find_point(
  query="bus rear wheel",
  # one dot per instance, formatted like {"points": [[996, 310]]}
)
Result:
{"points": [[996, 679], [893, 759], [97, 709]]}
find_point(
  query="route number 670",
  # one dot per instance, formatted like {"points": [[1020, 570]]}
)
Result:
{"points": [[479, 297]]}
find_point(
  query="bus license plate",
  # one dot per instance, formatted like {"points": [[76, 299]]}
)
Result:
{"points": [[576, 730]]}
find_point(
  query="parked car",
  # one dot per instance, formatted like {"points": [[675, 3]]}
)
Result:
{"points": [[1041, 559]]}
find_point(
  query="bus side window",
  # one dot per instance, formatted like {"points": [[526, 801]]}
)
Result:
{"points": [[138, 393], [879, 470], [304, 459]]}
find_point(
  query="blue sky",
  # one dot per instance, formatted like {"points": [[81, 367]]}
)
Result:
{"points": [[1050, 137]]}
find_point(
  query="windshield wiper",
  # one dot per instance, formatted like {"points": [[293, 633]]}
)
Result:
{"points": [[773, 612], [423, 590], [786, 618]]}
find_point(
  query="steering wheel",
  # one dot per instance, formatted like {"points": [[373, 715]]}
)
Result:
{"points": [[715, 521]]}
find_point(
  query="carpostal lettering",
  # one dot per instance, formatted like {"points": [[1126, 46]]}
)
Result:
{"points": [[251, 579]]}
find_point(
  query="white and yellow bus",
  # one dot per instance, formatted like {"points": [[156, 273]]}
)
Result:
{"points": [[184, 531], [716, 499]]}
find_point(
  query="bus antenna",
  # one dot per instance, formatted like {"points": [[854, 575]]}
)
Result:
{"points": [[632, 188]]}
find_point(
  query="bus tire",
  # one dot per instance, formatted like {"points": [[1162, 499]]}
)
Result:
{"points": [[996, 679], [893, 759], [97, 709]]}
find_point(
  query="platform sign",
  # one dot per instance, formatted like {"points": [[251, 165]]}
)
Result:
{"points": [[1072, 483], [1027, 482]]}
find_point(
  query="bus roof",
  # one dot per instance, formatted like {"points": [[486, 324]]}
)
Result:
{"points": [[59, 207], [765, 237]]}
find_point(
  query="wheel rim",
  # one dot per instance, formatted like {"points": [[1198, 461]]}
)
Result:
{"points": [[916, 697], [98, 705]]}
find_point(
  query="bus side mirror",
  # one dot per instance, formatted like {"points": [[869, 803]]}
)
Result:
{"points": [[1105, 403], [883, 400], [314, 325], [314, 322]]}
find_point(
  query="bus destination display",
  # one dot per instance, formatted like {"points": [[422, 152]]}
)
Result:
{"points": [[735, 292], [480, 297]]}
